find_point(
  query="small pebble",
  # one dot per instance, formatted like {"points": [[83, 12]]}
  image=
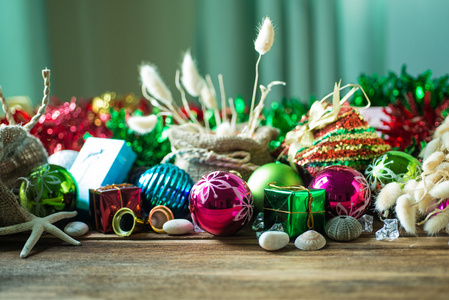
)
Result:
{"points": [[178, 226], [76, 228], [273, 240]]}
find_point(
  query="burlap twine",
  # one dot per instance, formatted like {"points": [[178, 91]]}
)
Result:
{"points": [[200, 154]]}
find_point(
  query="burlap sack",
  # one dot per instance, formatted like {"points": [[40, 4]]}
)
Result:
{"points": [[199, 154], [19, 154]]}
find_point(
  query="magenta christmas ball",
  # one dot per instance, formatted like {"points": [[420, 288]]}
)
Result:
{"points": [[347, 191], [221, 203]]}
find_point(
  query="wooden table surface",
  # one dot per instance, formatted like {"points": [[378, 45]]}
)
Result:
{"points": [[200, 266]]}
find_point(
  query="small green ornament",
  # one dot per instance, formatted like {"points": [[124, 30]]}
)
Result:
{"points": [[282, 174], [48, 189], [393, 166]]}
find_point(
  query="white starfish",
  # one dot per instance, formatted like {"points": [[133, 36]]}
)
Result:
{"points": [[38, 226]]}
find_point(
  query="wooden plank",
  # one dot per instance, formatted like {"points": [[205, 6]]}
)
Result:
{"points": [[205, 267]]}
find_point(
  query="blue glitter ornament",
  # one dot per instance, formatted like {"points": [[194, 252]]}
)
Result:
{"points": [[167, 185]]}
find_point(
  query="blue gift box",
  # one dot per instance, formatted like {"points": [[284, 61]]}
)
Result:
{"points": [[100, 162]]}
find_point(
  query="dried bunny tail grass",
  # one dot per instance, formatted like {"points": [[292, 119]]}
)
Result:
{"points": [[191, 78], [262, 44], [444, 127], [406, 213], [426, 203], [440, 190], [431, 147], [154, 84], [433, 161], [437, 222], [265, 38], [142, 124], [419, 191], [444, 166], [388, 196], [207, 98], [410, 187], [445, 140]]}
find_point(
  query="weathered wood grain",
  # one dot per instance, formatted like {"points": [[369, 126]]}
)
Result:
{"points": [[201, 266]]}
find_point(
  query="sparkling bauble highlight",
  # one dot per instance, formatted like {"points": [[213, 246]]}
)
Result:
{"points": [[221, 203], [282, 174], [393, 166], [347, 191], [48, 189], [167, 185]]}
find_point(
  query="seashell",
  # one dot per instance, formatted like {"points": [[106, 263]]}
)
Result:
{"points": [[310, 240], [343, 228]]}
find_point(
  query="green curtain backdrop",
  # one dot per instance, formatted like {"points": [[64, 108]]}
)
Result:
{"points": [[96, 46]]}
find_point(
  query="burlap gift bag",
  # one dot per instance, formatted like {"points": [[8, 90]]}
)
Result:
{"points": [[199, 154], [20, 152]]}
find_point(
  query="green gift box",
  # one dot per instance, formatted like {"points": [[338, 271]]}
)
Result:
{"points": [[296, 208]]}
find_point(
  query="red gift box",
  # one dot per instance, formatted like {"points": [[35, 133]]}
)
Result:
{"points": [[104, 203]]}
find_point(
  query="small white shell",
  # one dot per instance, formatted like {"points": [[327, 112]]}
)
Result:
{"points": [[310, 240]]}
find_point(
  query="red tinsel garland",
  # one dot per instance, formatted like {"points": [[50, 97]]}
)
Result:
{"points": [[407, 127]]}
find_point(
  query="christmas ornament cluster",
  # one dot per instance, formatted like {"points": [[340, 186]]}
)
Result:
{"points": [[123, 165]]}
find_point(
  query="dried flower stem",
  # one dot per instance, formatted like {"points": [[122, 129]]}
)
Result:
{"points": [[214, 97], [169, 109], [253, 99], [224, 117], [8, 114], [183, 98], [258, 110], [233, 114]]}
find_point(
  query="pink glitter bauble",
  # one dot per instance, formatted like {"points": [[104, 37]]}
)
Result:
{"points": [[347, 191], [221, 203]]}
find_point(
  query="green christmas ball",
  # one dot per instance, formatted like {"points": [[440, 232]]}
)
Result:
{"points": [[392, 166], [48, 189], [282, 174]]}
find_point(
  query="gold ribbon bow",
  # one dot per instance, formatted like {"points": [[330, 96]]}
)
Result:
{"points": [[310, 223], [319, 115], [108, 187]]}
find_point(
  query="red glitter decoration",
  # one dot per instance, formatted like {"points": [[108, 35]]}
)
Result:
{"points": [[407, 127], [64, 125]]}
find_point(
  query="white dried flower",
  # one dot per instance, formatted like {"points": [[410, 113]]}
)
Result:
{"points": [[440, 190], [406, 213], [431, 147], [154, 84], [410, 186], [433, 160], [208, 98], [224, 129], [437, 223], [265, 38], [388, 196], [445, 139], [142, 124], [191, 78], [427, 202]]}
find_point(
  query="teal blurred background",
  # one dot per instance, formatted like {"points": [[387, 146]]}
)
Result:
{"points": [[96, 46]]}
